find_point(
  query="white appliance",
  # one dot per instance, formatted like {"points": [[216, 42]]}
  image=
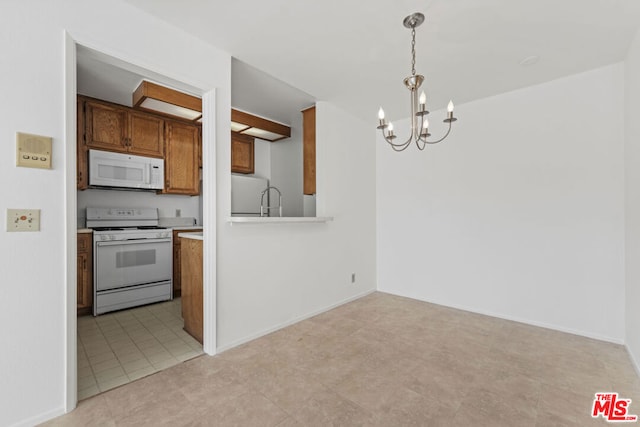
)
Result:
{"points": [[132, 258], [246, 192], [119, 170]]}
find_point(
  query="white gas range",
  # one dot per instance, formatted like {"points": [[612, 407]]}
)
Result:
{"points": [[133, 258]]}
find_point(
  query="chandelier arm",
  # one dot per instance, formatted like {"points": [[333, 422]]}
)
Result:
{"points": [[439, 140], [396, 149], [391, 143]]}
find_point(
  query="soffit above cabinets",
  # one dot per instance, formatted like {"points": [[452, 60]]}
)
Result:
{"points": [[258, 127], [169, 102]]}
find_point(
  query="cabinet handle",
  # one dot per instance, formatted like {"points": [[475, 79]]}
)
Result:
{"points": [[84, 264]]}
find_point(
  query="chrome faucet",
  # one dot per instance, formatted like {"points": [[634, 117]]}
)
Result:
{"points": [[269, 207]]}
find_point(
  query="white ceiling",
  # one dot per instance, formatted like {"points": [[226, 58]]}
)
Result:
{"points": [[104, 77], [467, 49], [356, 54]]}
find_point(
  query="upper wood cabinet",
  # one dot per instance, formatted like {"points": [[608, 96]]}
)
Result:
{"points": [[82, 169], [181, 170], [116, 128], [111, 127], [242, 153], [309, 150], [146, 132]]}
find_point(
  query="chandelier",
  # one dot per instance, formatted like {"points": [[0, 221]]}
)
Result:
{"points": [[419, 134]]}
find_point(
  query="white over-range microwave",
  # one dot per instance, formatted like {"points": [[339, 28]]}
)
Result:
{"points": [[119, 170]]}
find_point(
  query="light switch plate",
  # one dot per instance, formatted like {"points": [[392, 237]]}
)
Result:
{"points": [[33, 151], [23, 219]]}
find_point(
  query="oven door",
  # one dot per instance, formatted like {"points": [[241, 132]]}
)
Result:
{"points": [[120, 264]]}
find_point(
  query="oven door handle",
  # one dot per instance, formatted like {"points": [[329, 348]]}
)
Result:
{"points": [[138, 241]]}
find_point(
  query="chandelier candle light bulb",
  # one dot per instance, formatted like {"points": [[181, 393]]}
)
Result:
{"points": [[420, 133]]}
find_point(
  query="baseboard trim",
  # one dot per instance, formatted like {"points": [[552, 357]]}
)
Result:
{"points": [[291, 322], [39, 419], [634, 362], [519, 320]]}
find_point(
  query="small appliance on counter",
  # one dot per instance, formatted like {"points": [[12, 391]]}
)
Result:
{"points": [[133, 258]]}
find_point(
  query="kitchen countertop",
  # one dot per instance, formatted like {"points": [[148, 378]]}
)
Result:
{"points": [[84, 230], [278, 219], [190, 227], [194, 236]]}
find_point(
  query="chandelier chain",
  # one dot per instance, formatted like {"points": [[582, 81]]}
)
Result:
{"points": [[413, 51]]}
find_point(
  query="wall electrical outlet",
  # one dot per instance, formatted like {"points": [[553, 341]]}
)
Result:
{"points": [[353, 277], [23, 219]]}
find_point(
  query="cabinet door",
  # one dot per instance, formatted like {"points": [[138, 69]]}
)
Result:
{"points": [[242, 153], [82, 168], [309, 150], [146, 135], [181, 158], [85, 274], [176, 264], [105, 126]]}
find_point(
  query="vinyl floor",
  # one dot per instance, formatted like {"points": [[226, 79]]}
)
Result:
{"points": [[381, 360]]}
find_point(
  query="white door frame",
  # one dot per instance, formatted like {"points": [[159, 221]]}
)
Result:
{"points": [[71, 205]]}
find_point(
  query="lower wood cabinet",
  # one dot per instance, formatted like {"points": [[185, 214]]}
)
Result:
{"points": [[85, 273], [192, 303], [177, 279]]}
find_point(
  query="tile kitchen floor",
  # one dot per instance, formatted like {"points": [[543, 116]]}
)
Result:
{"points": [[120, 347]]}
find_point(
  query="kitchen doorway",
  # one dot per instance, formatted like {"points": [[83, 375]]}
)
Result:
{"points": [[166, 315]]}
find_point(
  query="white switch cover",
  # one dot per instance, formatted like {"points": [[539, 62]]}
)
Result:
{"points": [[23, 219]]}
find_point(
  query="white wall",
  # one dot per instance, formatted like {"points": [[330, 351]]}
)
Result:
{"points": [[519, 213], [299, 269], [262, 159], [632, 198], [34, 291], [167, 204]]}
